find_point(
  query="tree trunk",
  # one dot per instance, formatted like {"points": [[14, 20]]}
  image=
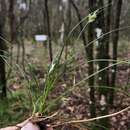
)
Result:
{"points": [[89, 54], [91, 64], [2, 71], [103, 82], [66, 24], [23, 49], [2, 49], [81, 25], [67, 18], [107, 37], [12, 28], [115, 39], [48, 30]]}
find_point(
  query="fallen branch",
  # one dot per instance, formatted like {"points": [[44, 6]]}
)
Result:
{"points": [[93, 119]]}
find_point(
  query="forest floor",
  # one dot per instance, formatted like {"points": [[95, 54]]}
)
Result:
{"points": [[75, 104]]}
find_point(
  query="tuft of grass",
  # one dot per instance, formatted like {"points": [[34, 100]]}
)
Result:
{"points": [[52, 76]]}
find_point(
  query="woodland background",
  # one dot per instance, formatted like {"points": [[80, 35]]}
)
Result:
{"points": [[82, 71]]}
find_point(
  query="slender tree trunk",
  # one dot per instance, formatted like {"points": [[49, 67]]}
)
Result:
{"points": [[107, 38], [23, 49], [2, 70], [67, 18], [91, 64], [108, 24], [89, 54], [81, 25], [102, 53], [2, 49], [49, 30], [12, 28], [115, 47], [62, 29], [65, 26]]}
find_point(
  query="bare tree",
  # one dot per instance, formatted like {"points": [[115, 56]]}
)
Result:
{"points": [[115, 39], [24, 14], [102, 53], [48, 30], [91, 64], [89, 53], [107, 38], [12, 27]]}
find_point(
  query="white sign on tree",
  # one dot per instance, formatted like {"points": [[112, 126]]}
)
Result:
{"points": [[41, 38]]}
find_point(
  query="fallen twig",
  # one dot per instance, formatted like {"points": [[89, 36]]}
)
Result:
{"points": [[92, 119]]}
